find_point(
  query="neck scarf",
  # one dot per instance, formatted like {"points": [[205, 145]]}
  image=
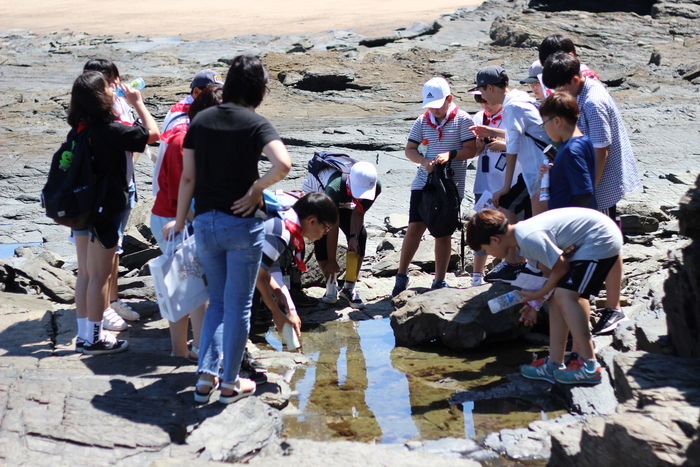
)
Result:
{"points": [[430, 118], [496, 119], [296, 237]]}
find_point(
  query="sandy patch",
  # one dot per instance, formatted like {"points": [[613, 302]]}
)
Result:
{"points": [[190, 20]]}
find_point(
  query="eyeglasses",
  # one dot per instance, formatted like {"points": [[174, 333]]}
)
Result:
{"points": [[541, 125], [326, 228]]}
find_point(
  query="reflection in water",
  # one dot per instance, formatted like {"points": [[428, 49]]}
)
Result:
{"points": [[362, 388]]}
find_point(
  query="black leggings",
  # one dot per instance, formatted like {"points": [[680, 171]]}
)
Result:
{"points": [[344, 215]]}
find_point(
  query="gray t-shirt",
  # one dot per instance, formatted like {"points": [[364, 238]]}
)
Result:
{"points": [[590, 234]]}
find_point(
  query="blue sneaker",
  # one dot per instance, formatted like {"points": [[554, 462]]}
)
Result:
{"points": [[439, 285], [538, 370], [402, 283], [577, 373]]}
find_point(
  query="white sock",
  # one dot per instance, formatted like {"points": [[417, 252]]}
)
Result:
{"points": [[349, 285], [94, 332], [82, 328], [477, 274], [532, 268]]}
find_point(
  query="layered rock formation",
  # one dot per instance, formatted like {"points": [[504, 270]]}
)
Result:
{"points": [[683, 285]]}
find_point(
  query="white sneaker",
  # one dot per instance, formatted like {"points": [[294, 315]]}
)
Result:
{"points": [[124, 310], [112, 321], [478, 280], [331, 293]]}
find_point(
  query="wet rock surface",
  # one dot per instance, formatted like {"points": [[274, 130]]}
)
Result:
{"points": [[344, 92]]}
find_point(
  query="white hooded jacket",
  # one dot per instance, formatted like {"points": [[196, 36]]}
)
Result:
{"points": [[520, 116]]}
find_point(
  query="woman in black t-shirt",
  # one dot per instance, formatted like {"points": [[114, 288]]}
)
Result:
{"points": [[220, 169], [90, 110]]}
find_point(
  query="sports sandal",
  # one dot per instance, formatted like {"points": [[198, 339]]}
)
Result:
{"points": [[237, 393], [203, 397]]}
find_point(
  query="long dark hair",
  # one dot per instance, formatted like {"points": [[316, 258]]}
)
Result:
{"points": [[104, 66], [246, 81], [89, 103], [209, 97]]}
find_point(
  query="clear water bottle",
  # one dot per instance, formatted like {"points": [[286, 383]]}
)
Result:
{"points": [[544, 183], [138, 83], [505, 301], [423, 147]]}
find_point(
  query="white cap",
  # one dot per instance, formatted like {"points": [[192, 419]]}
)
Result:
{"points": [[363, 180], [435, 91]]}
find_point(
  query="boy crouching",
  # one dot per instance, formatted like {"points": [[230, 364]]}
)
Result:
{"points": [[578, 246]]}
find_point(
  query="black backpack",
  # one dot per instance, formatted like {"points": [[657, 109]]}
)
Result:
{"points": [[70, 193], [333, 160], [439, 206]]}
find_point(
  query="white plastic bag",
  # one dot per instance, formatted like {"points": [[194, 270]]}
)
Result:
{"points": [[178, 279]]}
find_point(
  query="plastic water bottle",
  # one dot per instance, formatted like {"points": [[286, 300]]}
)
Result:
{"points": [[423, 147], [505, 301], [138, 83], [290, 337], [544, 183]]}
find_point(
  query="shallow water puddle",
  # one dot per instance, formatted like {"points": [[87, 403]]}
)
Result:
{"points": [[363, 388], [7, 250]]}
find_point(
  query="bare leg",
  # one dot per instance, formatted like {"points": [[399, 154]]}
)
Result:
{"points": [[197, 317], [443, 250], [538, 207], [113, 287], [81, 283], [613, 284], [480, 263], [99, 265], [410, 245], [574, 316], [178, 336], [558, 332]]}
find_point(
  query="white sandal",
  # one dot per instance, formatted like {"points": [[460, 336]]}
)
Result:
{"points": [[237, 393], [203, 397]]}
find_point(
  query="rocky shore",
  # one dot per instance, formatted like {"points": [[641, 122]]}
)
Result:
{"points": [[359, 95]]}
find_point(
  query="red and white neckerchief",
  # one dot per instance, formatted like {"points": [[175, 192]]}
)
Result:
{"points": [[430, 119], [355, 201], [496, 119], [174, 131], [291, 223]]}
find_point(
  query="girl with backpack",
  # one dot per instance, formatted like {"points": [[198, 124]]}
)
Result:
{"points": [[90, 110]]}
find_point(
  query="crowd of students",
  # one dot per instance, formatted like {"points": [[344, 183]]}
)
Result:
{"points": [[206, 173]]}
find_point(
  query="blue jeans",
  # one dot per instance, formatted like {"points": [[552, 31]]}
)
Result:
{"points": [[230, 249]]}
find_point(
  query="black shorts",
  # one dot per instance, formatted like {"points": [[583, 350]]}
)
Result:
{"points": [[344, 215], [414, 205], [587, 276], [517, 200]]}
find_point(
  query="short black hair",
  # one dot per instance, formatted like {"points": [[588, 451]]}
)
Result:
{"points": [[318, 205], [484, 225], [89, 103], [560, 104], [556, 43], [104, 66], [209, 97], [246, 81], [504, 80], [560, 69]]}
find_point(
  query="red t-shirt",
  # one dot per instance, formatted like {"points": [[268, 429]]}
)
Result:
{"points": [[169, 175]]}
